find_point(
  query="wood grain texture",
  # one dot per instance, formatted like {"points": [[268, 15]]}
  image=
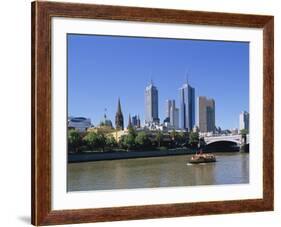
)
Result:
{"points": [[42, 12], [268, 113]]}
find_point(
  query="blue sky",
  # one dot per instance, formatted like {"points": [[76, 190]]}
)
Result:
{"points": [[103, 68]]}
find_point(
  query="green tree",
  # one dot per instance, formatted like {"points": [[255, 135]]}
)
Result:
{"points": [[174, 134], [179, 138], [159, 137], [174, 138], [91, 140], [127, 142], [132, 132], [182, 138], [142, 140], [101, 141], [110, 142], [193, 138], [95, 140], [74, 140]]}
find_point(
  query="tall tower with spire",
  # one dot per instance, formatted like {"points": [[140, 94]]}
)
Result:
{"points": [[119, 119], [151, 104]]}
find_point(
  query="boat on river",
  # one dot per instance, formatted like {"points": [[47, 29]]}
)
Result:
{"points": [[202, 158]]}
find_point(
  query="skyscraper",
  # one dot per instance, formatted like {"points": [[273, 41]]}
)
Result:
{"points": [[244, 120], [176, 118], [119, 120], [136, 121], [206, 114], [187, 107], [151, 104], [172, 113], [168, 108]]}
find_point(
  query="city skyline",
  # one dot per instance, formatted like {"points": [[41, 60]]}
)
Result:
{"points": [[85, 97]]}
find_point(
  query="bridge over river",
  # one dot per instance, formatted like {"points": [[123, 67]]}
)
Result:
{"points": [[226, 143], [226, 138]]}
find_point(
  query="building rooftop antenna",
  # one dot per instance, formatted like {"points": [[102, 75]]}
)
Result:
{"points": [[187, 76], [151, 81], [105, 110]]}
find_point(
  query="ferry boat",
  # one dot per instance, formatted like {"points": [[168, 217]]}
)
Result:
{"points": [[202, 158]]}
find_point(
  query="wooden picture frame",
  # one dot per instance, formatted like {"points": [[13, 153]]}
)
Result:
{"points": [[42, 12]]}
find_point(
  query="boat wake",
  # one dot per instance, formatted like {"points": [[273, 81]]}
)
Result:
{"points": [[202, 164], [193, 164]]}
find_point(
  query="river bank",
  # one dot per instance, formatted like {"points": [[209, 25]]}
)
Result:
{"points": [[115, 155]]}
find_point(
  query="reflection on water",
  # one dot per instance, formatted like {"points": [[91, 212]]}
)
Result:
{"points": [[230, 168]]}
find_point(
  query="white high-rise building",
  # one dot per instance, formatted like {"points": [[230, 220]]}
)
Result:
{"points": [[173, 113], [168, 108], [244, 120], [151, 104]]}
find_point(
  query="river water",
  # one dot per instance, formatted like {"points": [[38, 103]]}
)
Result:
{"points": [[230, 168]]}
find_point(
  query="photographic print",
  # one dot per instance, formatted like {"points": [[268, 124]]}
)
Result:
{"points": [[147, 112], [141, 113]]}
